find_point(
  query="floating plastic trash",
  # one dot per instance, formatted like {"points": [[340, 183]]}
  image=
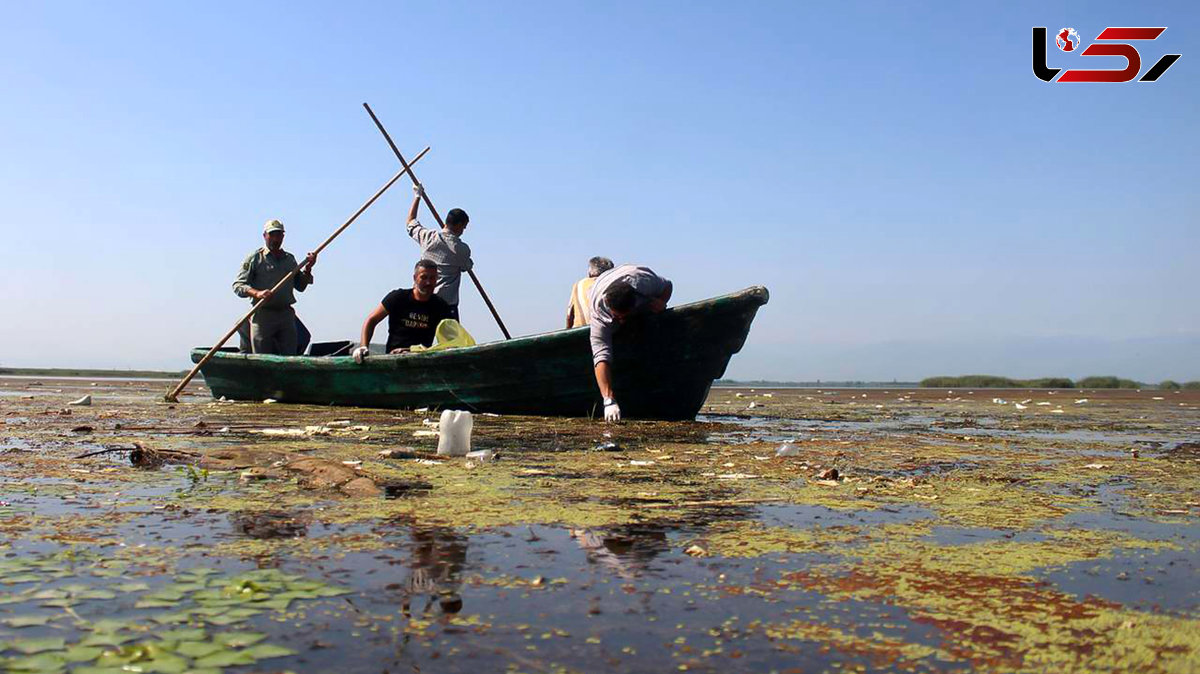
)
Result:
{"points": [[454, 433]]}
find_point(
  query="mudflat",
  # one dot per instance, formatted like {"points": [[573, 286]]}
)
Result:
{"points": [[783, 530]]}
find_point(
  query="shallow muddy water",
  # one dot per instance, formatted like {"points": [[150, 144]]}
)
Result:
{"points": [[913, 530]]}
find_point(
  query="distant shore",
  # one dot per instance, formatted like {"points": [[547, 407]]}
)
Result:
{"points": [[73, 372]]}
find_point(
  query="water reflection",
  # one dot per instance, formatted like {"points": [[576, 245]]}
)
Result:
{"points": [[434, 570], [626, 550]]}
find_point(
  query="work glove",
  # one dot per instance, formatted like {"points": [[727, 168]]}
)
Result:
{"points": [[418, 190], [612, 411], [360, 354]]}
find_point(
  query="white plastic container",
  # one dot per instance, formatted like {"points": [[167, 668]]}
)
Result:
{"points": [[454, 433]]}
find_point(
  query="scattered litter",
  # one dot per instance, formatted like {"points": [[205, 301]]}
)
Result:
{"points": [[270, 401], [752, 405], [1020, 406], [736, 476], [696, 551], [787, 449], [1157, 398], [1097, 466], [82, 429], [609, 446], [338, 424], [1081, 401], [1043, 403], [421, 409], [490, 414], [425, 434], [641, 463], [482, 455], [399, 453], [353, 463], [429, 462], [82, 402], [828, 474], [1000, 401], [454, 433]]}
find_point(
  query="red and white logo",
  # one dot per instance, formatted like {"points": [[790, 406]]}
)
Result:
{"points": [[1067, 39], [1112, 41]]}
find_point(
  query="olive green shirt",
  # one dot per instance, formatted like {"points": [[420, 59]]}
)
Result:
{"points": [[261, 271]]}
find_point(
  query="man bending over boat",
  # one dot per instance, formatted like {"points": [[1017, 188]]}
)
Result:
{"points": [[451, 254], [579, 311], [413, 314], [618, 294], [273, 326]]}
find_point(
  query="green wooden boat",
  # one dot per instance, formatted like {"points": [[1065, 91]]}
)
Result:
{"points": [[663, 367]]}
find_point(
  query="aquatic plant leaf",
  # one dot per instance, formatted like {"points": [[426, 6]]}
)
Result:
{"points": [[131, 587], [198, 649], [186, 634], [21, 578], [108, 625], [105, 639], [155, 603], [28, 620], [100, 670], [78, 653], [31, 646], [238, 639], [167, 663], [176, 617], [278, 604], [226, 659], [42, 663], [58, 603], [266, 651]]}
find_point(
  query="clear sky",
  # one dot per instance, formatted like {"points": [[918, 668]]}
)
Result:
{"points": [[916, 201]]}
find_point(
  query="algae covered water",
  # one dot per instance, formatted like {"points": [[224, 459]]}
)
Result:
{"points": [[909, 530]]}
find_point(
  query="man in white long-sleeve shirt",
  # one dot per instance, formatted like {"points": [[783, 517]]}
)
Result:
{"points": [[444, 248], [617, 294]]}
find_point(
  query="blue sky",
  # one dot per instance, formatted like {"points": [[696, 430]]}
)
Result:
{"points": [[915, 199]]}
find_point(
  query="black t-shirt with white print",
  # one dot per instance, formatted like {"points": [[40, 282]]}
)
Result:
{"points": [[411, 322]]}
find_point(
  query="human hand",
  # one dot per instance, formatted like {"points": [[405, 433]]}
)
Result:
{"points": [[309, 261], [360, 354], [612, 411], [263, 295], [418, 191], [403, 349]]}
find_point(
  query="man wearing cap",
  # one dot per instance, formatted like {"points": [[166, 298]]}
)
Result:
{"points": [[273, 326]]}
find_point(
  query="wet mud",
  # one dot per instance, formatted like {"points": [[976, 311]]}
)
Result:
{"points": [[784, 530]]}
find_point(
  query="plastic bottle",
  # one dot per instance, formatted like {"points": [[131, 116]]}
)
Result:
{"points": [[454, 433]]}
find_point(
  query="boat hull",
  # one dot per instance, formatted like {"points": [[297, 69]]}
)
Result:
{"points": [[663, 367]]}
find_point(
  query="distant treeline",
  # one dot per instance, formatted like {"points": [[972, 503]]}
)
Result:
{"points": [[992, 381], [67, 372]]}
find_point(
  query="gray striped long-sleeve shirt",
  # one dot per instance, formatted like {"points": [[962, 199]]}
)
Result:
{"points": [[646, 284], [451, 254]]}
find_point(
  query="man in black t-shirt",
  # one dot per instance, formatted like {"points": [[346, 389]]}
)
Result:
{"points": [[413, 314]]}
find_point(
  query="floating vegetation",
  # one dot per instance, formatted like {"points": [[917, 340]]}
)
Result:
{"points": [[906, 530]]}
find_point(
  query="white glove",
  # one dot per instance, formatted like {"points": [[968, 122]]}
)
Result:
{"points": [[360, 354], [612, 411], [418, 190]]}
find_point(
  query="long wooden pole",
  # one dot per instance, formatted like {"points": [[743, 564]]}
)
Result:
{"points": [[173, 396], [470, 272]]}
